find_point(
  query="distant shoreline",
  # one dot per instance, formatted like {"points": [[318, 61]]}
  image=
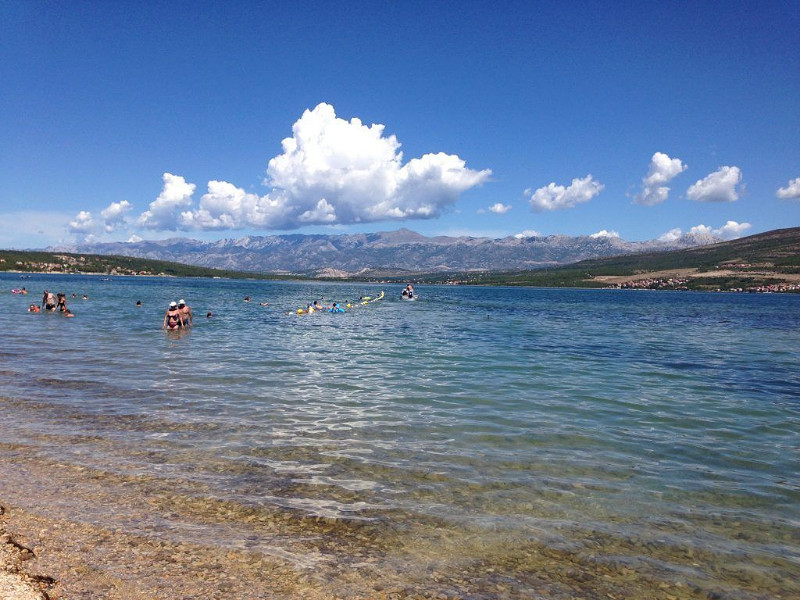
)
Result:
{"points": [[645, 282]]}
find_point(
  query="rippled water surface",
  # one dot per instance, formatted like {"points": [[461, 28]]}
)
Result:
{"points": [[648, 439]]}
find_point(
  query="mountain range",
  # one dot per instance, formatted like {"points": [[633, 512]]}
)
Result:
{"points": [[392, 252]]}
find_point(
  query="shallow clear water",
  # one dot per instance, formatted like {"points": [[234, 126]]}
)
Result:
{"points": [[473, 428]]}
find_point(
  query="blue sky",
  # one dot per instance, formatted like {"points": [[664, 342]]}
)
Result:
{"points": [[126, 120]]}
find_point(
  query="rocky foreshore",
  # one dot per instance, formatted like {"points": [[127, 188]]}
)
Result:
{"points": [[16, 581]]}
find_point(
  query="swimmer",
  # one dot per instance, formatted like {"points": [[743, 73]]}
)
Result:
{"points": [[264, 303], [209, 315], [138, 303], [85, 297], [247, 298], [34, 308], [172, 318]]}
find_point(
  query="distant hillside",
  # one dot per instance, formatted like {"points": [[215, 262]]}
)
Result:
{"points": [[765, 262], [51, 262], [754, 262], [384, 253]]}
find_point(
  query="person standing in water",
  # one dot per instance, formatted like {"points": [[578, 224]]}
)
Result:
{"points": [[49, 301], [186, 312], [61, 303], [172, 318]]}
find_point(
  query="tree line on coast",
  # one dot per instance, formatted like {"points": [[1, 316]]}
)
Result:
{"points": [[26, 261]]}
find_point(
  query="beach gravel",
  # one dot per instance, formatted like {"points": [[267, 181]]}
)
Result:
{"points": [[15, 582]]}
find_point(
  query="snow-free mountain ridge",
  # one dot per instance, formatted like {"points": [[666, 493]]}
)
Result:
{"points": [[400, 251]]}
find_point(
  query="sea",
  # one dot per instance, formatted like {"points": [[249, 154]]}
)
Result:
{"points": [[479, 442]]}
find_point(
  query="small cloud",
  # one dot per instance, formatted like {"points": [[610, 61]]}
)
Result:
{"points": [[528, 233], [730, 231], [133, 239], [671, 235], [604, 234], [791, 191], [558, 197], [83, 223], [323, 212], [499, 208], [719, 186], [662, 170], [115, 215]]}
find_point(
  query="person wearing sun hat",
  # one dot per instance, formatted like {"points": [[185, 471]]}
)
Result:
{"points": [[172, 318], [186, 312]]}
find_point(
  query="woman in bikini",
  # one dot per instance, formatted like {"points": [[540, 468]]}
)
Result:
{"points": [[172, 318]]}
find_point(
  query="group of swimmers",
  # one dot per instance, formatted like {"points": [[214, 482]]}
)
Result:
{"points": [[53, 303], [317, 307], [178, 315], [408, 292]]}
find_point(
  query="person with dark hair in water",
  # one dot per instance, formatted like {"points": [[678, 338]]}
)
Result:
{"points": [[61, 303]]}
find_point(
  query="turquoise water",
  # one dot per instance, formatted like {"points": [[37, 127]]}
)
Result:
{"points": [[534, 441]]}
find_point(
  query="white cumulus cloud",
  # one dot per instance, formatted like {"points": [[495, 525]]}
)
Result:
{"points": [[163, 212], [719, 186], [791, 191], [730, 231], [499, 208], [558, 197], [115, 214], [83, 223], [671, 235], [226, 206], [331, 171], [661, 171], [604, 234], [527, 233]]}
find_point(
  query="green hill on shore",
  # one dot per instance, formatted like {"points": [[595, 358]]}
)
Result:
{"points": [[24, 261], [764, 262]]}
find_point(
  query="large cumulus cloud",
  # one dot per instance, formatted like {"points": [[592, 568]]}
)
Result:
{"points": [[331, 171]]}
